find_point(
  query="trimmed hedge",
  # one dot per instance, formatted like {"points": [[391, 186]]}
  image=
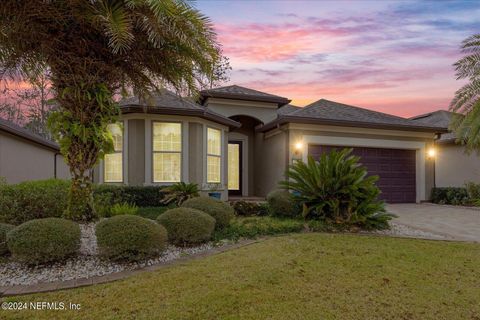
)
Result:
{"points": [[48, 198], [222, 212], [250, 209], [282, 204], [450, 195], [33, 200], [187, 226], [130, 238], [4, 229], [141, 196], [44, 240]]}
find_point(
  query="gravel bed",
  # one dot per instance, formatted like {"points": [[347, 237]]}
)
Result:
{"points": [[400, 230], [86, 265]]}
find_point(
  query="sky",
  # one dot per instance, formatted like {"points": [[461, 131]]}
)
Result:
{"points": [[391, 56]]}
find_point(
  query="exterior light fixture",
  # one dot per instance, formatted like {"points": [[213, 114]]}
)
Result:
{"points": [[298, 146], [431, 153]]}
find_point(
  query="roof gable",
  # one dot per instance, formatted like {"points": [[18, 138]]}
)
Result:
{"points": [[18, 131]]}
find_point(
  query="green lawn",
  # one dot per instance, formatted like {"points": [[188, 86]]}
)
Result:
{"points": [[301, 276]]}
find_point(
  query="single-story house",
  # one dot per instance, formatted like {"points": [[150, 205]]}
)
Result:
{"points": [[240, 141], [26, 156], [453, 167]]}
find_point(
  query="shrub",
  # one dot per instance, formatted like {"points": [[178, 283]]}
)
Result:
{"points": [[44, 240], [123, 208], [32, 200], [130, 238], [247, 208], [282, 204], [180, 192], [222, 212], [337, 189], [473, 190], [450, 195], [152, 212], [141, 196], [4, 229], [252, 227], [186, 226]]}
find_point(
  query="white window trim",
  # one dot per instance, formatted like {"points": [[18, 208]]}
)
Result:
{"points": [[101, 178], [223, 149], [184, 177], [418, 146]]}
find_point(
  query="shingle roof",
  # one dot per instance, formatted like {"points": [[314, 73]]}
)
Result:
{"points": [[16, 130], [167, 102], [334, 113], [287, 109], [437, 118], [242, 93]]}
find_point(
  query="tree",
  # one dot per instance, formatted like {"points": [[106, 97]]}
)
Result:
{"points": [[95, 49], [466, 102]]}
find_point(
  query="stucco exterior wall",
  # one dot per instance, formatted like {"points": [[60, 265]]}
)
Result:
{"points": [[263, 111], [23, 160], [136, 152], [453, 167], [195, 160], [271, 161]]}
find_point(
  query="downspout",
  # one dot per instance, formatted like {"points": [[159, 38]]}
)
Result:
{"points": [[55, 165]]}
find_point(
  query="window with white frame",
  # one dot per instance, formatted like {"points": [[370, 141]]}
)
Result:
{"points": [[214, 155], [167, 151], [113, 162]]}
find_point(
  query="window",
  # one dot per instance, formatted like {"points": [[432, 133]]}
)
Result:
{"points": [[214, 148], [167, 152], [113, 162]]}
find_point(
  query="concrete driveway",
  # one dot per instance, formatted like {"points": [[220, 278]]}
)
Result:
{"points": [[456, 223]]}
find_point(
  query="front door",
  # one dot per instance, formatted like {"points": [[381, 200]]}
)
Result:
{"points": [[235, 168]]}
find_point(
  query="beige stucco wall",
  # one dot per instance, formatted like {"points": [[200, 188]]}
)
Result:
{"points": [[23, 160], [419, 141], [453, 167], [136, 152], [271, 161], [263, 111]]}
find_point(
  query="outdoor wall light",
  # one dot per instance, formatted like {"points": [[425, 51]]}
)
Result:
{"points": [[298, 147], [431, 153]]}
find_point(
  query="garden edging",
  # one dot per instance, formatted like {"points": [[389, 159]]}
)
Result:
{"points": [[69, 284]]}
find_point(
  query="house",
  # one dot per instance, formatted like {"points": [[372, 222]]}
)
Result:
{"points": [[27, 156], [240, 141], [453, 167]]}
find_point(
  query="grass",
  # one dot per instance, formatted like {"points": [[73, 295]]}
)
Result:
{"points": [[301, 276], [252, 227]]}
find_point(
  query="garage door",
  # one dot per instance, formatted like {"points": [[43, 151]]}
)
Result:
{"points": [[395, 167]]}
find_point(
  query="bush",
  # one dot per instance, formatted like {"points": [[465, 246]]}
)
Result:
{"points": [[152, 212], [252, 227], [130, 238], [4, 229], [123, 208], [473, 190], [187, 226], [282, 204], [33, 200], [44, 240], [180, 192], [337, 189], [248, 209], [450, 195], [222, 212], [141, 196]]}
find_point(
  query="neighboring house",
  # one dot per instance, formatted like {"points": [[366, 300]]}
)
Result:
{"points": [[27, 156], [453, 166], [241, 141]]}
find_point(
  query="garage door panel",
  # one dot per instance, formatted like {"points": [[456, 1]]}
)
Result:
{"points": [[395, 168]]}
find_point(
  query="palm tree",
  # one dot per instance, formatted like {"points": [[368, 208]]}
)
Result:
{"points": [[466, 102], [94, 49]]}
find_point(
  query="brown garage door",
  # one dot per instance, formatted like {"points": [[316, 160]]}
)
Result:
{"points": [[395, 167]]}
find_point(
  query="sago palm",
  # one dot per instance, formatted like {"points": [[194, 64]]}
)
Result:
{"points": [[95, 49], [466, 102]]}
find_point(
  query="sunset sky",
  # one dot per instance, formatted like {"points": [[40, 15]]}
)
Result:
{"points": [[390, 56]]}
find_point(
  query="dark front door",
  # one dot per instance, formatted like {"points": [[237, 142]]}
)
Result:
{"points": [[395, 168], [235, 167]]}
